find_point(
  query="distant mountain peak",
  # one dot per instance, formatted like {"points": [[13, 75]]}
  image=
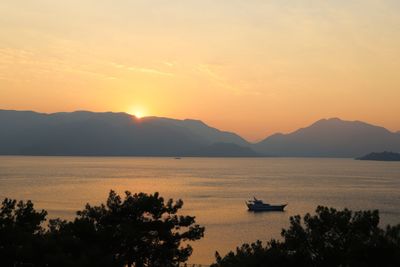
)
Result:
{"points": [[337, 123], [334, 120], [331, 137]]}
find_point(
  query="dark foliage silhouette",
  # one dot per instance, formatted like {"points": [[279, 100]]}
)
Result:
{"points": [[329, 238], [144, 230], [20, 232], [139, 230]]}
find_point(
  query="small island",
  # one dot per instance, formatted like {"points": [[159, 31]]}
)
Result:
{"points": [[382, 156]]}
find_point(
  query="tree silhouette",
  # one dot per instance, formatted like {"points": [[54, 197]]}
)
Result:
{"points": [[140, 230], [144, 230], [328, 238], [20, 232]]}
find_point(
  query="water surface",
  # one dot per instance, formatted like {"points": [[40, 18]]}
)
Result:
{"points": [[213, 189]]}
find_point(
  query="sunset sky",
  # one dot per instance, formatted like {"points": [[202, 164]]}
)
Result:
{"points": [[254, 67]]}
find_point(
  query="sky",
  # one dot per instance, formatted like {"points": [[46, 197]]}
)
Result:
{"points": [[254, 67]]}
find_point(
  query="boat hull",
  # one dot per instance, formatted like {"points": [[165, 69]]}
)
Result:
{"points": [[266, 208]]}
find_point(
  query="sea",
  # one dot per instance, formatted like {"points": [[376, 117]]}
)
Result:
{"points": [[213, 189]]}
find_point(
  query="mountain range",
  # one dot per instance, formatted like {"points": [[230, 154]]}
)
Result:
{"points": [[87, 133]]}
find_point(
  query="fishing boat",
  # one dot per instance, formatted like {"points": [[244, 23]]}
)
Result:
{"points": [[259, 205]]}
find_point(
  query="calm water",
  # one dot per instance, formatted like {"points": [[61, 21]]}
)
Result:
{"points": [[213, 189]]}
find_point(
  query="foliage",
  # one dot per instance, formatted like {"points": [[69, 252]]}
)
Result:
{"points": [[144, 230], [20, 231], [140, 230], [328, 238]]}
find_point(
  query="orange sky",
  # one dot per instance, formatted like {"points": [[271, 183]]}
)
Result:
{"points": [[252, 67]]}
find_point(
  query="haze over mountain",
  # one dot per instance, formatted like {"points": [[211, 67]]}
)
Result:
{"points": [[121, 134], [331, 138]]}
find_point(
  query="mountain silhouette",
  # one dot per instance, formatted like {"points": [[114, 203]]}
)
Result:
{"points": [[109, 134], [85, 133], [381, 156], [330, 138]]}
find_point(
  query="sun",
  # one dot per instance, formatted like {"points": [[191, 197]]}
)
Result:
{"points": [[137, 112]]}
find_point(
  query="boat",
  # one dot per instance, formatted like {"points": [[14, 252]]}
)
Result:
{"points": [[259, 205]]}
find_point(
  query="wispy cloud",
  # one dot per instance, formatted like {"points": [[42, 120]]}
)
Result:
{"points": [[37, 66], [145, 70], [169, 64], [150, 71]]}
